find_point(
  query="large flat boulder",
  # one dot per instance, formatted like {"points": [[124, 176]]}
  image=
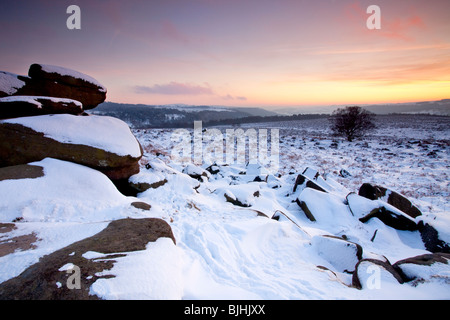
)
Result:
{"points": [[54, 81], [103, 143], [49, 280], [25, 106], [21, 171]]}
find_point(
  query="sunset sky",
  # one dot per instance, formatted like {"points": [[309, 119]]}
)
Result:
{"points": [[239, 52]]}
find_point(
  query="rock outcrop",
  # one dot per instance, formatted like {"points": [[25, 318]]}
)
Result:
{"points": [[46, 280], [24, 106], [41, 118], [54, 81], [102, 143]]}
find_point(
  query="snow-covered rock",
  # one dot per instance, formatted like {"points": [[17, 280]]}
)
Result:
{"points": [[196, 172], [343, 255], [374, 192], [24, 106], [240, 195], [375, 274], [9, 83], [145, 180], [323, 207], [108, 262], [65, 192], [427, 267], [365, 209], [64, 75], [103, 143], [55, 81]]}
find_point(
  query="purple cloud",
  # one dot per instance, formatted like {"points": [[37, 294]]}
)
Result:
{"points": [[175, 88]]}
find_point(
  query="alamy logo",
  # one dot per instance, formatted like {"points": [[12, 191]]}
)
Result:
{"points": [[74, 20], [374, 21], [374, 280], [74, 280], [210, 146]]}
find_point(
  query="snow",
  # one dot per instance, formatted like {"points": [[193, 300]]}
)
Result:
{"points": [[66, 192], [366, 272], [224, 251], [159, 275], [72, 73], [102, 132], [341, 254], [67, 266], [245, 194], [9, 83]]}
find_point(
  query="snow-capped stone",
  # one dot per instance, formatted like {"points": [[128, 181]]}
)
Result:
{"points": [[119, 239], [9, 83], [343, 255], [240, 195], [427, 267], [196, 172], [63, 75], [103, 143], [374, 274], [322, 207], [374, 192], [145, 180], [24, 106], [303, 182], [433, 231], [53, 81], [58, 191], [365, 209]]}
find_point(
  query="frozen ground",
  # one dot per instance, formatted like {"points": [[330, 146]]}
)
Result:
{"points": [[226, 251]]}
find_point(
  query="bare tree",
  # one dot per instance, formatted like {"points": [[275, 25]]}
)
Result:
{"points": [[352, 122]]}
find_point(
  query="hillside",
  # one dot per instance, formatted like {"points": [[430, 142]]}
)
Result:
{"points": [[441, 107], [178, 115]]}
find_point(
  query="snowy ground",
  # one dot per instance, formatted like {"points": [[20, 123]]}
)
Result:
{"points": [[226, 251]]}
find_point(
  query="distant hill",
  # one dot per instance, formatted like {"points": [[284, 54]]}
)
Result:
{"points": [[183, 116], [175, 115], [441, 107]]}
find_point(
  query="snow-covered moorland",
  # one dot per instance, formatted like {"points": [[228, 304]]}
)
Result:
{"points": [[227, 244]]}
